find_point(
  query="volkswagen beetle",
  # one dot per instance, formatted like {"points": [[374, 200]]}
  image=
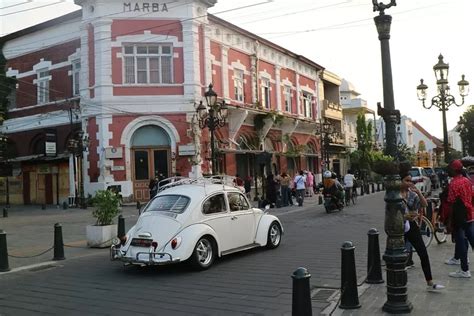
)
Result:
{"points": [[196, 221]]}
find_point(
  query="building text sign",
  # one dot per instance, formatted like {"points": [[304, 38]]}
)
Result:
{"points": [[144, 7]]}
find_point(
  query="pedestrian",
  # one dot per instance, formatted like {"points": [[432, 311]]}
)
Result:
{"points": [[460, 197], [153, 187], [270, 191], [413, 200], [285, 188], [349, 180], [309, 184], [247, 186], [300, 186]]}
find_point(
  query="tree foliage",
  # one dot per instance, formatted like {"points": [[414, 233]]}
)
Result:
{"points": [[466, 130]]}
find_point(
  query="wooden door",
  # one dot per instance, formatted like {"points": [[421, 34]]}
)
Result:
{"points": [[148, 163], [49, 188], [26, 188]]}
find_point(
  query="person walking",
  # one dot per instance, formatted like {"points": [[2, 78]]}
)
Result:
{"points": [[309, 184], [413, 200], [349, 180], [285, 188], [247, 186], [460, 197], [271, 194], [299, 183]]}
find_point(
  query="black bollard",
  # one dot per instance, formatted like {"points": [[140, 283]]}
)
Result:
{"points": [[378, 186], [43, 206], [374, 268], [121, 227], [349, 293], [362, 190], [138, 205], [4, 267], [301, 305], [5, 212], [320, 199], [367, 189], [58, 242], [373, 187], [65, 205]]}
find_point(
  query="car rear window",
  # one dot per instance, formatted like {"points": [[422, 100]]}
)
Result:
{"points": [[414, 172], [168, 203]]}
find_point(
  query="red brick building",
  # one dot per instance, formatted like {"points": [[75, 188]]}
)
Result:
{"points": [[129, 75]]}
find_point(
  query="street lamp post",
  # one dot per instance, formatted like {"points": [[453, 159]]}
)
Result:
{"points": [[444, 99], [395, 255], [6, 169], [212, 116], [77, 146], [325, 129]]}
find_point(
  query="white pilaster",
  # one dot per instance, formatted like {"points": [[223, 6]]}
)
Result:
{"points": [[103, 63], [253, 72], [192, 77], [298, 100], [225, 71], [278, 87]]}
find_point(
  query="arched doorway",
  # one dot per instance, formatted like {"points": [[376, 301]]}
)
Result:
{"points": [[151, 155]]}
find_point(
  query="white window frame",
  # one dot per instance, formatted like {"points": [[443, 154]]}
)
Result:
{"points": [[288, 98], [42, 83], [307, 104], [76, 75], [265, 87], [147, 56], [239, 85]]}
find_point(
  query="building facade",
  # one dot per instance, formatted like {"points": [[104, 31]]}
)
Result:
{"points": [[107, 95]]}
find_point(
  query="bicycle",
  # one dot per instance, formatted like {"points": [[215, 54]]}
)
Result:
{"points": [[350, 197], [432, 212], [426, 230]]}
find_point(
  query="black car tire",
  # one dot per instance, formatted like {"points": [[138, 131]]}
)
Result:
{"points": [[204, 253], [274, 235]]}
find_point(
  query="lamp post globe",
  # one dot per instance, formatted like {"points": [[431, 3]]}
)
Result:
{"points": [[444, 99]]}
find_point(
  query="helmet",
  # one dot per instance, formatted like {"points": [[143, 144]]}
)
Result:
{"points": [[327, 174]]}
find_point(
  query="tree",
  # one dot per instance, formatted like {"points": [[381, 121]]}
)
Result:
{"points": [[465, 129], [361, 159]]}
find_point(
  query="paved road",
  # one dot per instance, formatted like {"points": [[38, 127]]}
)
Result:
{"points": [[256, 282]]}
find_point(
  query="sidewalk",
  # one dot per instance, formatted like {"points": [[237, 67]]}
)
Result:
{"points": [[456, 299], [30, 232]]}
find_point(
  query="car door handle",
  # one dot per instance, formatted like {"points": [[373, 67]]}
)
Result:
{"points": [[233, 217]]}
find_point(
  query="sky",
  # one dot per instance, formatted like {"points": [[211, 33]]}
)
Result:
{"points": [[341, 36]]}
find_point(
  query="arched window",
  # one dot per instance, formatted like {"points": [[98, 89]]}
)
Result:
{"points": [[150, 136]]}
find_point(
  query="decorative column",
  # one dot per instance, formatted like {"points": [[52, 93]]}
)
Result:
{"points": [[278, 87]]}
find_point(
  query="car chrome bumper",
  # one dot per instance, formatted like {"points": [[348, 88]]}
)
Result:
{"points": [[142, 258]]}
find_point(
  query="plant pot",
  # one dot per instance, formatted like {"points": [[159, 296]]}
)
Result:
{"points": [[100, 236]]}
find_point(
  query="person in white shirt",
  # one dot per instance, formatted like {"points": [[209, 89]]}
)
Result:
{"points": [[300, 185], [348, 185]]}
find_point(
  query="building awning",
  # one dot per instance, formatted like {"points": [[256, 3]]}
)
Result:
{"points": [[39, 158]]}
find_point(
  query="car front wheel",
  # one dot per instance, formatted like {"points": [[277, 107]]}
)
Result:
{"points": [[274, 236], [204, 254]]}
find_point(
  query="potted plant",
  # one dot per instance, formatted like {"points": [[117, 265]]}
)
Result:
{"points": [[107, 206]]}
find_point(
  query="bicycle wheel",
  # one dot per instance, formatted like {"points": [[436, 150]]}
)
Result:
{"points": [[441, 233], [427, 231]]}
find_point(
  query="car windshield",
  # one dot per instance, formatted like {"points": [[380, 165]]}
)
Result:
{"points": [[414, 172], [168, 203], [429, 171]]}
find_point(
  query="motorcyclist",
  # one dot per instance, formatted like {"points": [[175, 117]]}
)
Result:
{"points": [[333, 188]]}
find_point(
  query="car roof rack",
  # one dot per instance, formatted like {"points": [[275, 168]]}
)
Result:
{"points": [[171, 182]]}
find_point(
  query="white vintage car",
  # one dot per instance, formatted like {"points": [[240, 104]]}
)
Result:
{"points": [[196, 221]]}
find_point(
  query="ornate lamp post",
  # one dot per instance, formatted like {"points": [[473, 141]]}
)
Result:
{"points": [[395, 255], [6, 168], [444, 99], [326, 130], [212, 116], [77, 146]]}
